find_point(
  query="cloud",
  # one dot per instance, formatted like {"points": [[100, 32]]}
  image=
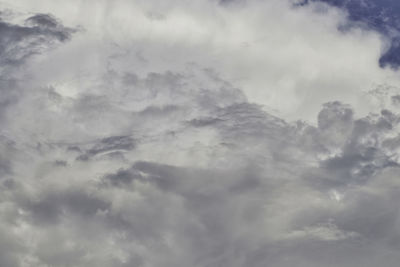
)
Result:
{"points": [[20, 42], [248, 43], [381, 17], [180, 134]]}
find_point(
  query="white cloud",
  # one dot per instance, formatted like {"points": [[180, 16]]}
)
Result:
{"points": [[289, 59]]}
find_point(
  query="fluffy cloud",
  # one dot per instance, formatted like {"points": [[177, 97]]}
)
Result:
{"points": [[215, 133]]}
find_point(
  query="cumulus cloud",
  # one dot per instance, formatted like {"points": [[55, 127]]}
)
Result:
{"points": [[215, 133]]}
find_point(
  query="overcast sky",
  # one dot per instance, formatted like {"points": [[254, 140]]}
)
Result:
{"points": [[199, 133]]}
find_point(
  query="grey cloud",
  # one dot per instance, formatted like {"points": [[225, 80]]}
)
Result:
{"points": [[248, 120], [17, 42], [123, 177], [210, 235], [220, 215], [203, 122], [335, 121], [50, 208], [43, 20], [179, 168], [395, 99], [363, 152], [108, 145], [154, 111], [7, 150], [251, 205], [11, 249], [167, 178], [373, 216]]}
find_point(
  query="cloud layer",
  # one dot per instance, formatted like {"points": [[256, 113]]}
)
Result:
{"points": [[215, 133]]}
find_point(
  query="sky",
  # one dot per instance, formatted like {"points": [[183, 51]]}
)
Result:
{"points": [[206, 133]]}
